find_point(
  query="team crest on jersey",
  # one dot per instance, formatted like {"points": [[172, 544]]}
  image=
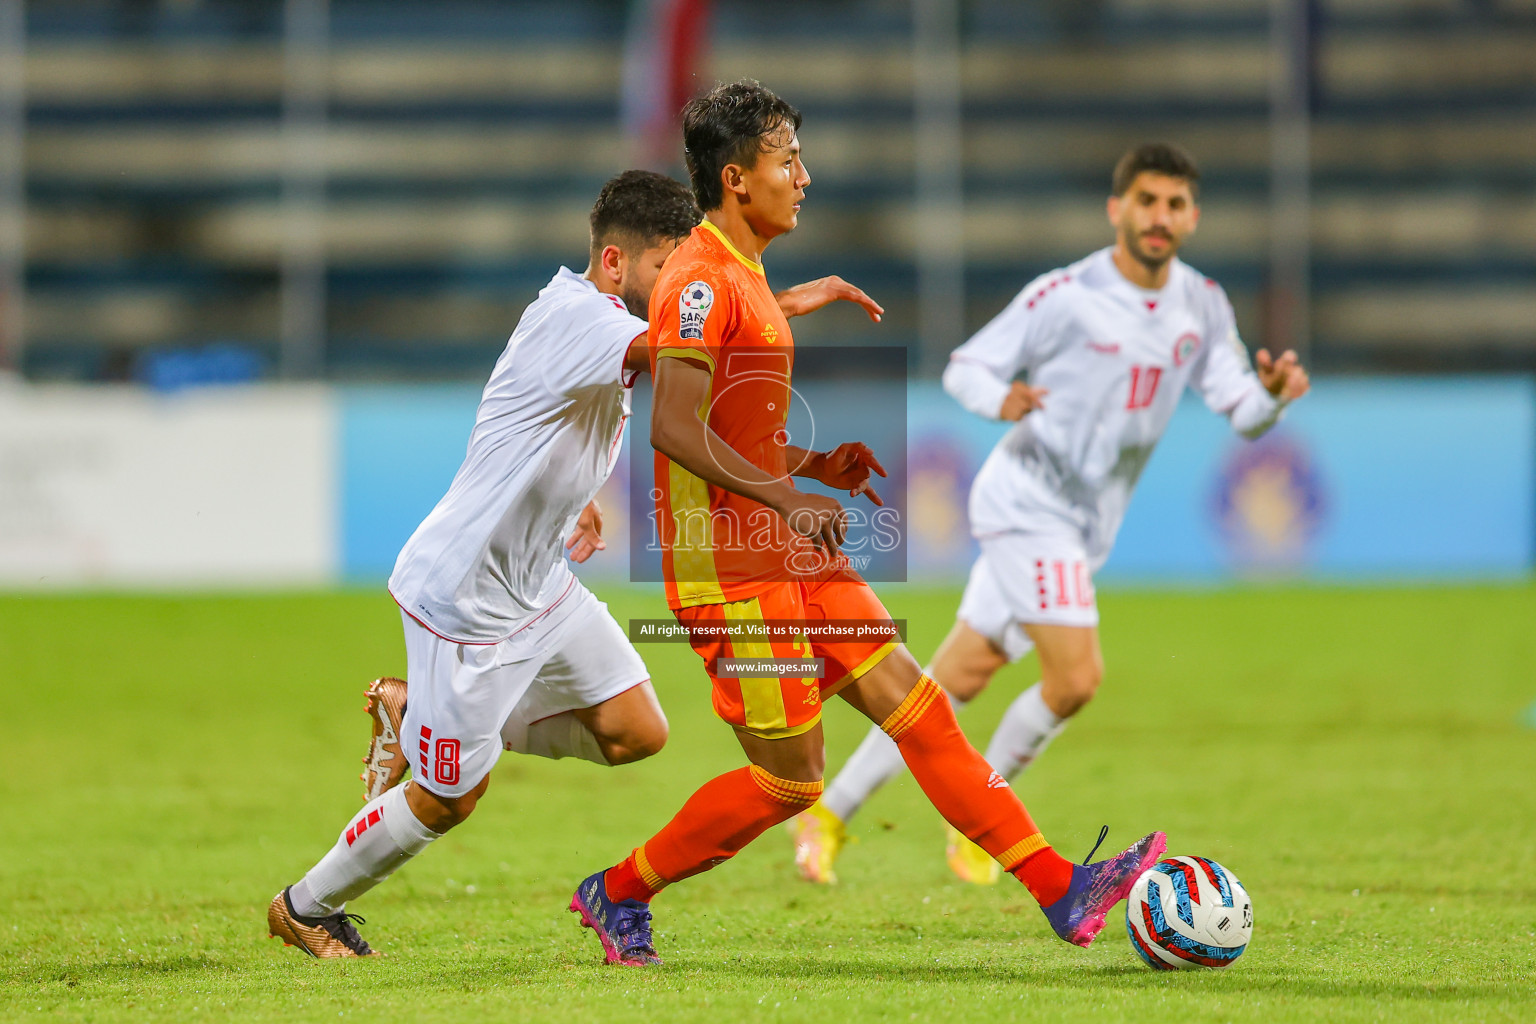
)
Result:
{"points": [[693, 309], [1185, 348]]}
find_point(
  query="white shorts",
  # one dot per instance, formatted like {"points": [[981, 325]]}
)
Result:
{"points": [[462, 696], [1028, 578]]}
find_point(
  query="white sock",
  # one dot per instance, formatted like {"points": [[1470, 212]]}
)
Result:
{"points": [[557, 736], [1027, 728], [383, 836], [876, 761]]}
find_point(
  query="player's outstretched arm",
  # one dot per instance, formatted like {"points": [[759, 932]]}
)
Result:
{"points": [[1251, 397], [980, 389], [846, 467], [1285, 378], [812, 295], [1021, 400], [682, 388], [637, 358], [587, 538]]}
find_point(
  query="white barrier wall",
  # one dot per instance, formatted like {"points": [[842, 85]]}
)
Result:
{"points": [[216, 487]]}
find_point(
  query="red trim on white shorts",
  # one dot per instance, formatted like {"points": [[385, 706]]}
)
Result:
{"points": [[487, 643]]}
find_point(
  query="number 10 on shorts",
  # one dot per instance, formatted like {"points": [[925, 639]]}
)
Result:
{"points": [[1063, 584]]}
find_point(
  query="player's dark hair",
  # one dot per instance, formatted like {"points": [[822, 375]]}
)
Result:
{"points": [[641, 209], [729, 125], [1160, 158]]}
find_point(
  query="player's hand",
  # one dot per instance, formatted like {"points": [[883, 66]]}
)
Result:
{"points": [[847, 467], [588, 535], [1022, 400], [811, 296], [1284, 378], [817, 517]]}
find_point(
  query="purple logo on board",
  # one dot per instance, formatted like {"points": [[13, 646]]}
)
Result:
{"points": [[1269, 503]]}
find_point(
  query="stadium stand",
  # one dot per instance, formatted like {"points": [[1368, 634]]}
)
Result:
{"points": [[467, 138]]}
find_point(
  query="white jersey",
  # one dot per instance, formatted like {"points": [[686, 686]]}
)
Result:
{"points": [[490, 556], [1116, 359]]}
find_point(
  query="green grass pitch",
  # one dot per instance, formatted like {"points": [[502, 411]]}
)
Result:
{"points": [[1358, 757]]}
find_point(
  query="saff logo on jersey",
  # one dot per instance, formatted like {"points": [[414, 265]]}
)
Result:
{"points": [[693, 309], [1185, 348]]}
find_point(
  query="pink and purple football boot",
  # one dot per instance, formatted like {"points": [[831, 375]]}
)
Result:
{"points": [[1079, 915]]}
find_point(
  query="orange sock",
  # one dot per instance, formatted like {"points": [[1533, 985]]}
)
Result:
{"points": [[970, 795], [722, 816]]}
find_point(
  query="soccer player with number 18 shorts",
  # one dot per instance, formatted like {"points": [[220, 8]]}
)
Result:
{"points": [[505, 649], [1108, 345], [741, 545]]}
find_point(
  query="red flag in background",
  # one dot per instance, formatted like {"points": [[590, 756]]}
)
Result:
{"points": [[664, 54]]}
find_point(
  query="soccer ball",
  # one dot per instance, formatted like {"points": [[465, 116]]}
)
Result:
{"points": [[1188, 912]]}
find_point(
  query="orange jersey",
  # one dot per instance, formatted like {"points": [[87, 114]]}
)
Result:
{"points": [[713, 305]]}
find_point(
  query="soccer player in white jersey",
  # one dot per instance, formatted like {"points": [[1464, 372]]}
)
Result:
{"points": [[505, 648], [1106, 347]]}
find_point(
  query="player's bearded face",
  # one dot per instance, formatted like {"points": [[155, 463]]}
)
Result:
{"points": [[776, 183], [640, 273], [1154, 217]]}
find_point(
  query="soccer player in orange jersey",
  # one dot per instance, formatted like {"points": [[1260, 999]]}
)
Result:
{"points": [[742, 545]]}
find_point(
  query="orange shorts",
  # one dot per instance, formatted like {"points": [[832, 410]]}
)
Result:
{"points": [[777, 706]]}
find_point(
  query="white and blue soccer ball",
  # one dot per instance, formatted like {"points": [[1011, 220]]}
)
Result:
{"points": [[1188, 912]]}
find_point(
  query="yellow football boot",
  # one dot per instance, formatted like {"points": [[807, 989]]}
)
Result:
{"points": [[819, 836], [969, 861]]}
